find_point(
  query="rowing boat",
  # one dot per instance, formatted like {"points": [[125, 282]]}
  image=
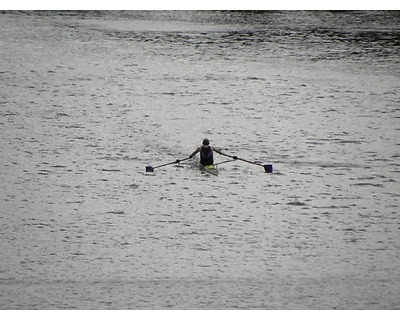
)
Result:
{"points": [[211, 169]]}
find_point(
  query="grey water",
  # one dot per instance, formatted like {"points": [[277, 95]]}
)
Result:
{"points": [[89, 99]]}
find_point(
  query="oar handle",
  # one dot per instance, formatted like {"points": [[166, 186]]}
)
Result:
{"points": [[178, 161], [227, 155]]}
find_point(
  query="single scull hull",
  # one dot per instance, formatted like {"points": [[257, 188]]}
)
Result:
{"points": [[211, 169]]}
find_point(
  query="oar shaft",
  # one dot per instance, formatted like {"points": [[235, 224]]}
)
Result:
{"points": [[223, 162], [237, 158], [267, 168], [166, 164], [257, 164]]}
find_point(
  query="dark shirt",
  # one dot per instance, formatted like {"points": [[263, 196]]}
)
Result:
{"points": [[206, 154]]}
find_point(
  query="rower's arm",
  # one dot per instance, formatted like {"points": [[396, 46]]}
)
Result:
{"points": [[194, 152], [216, 150]]}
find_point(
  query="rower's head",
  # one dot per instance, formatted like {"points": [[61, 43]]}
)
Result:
{"points": [[206, 142]]}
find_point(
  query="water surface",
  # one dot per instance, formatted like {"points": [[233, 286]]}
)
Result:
{"points": [[88, 99]]}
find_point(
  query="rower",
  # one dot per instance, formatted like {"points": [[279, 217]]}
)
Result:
{"points": [[206, 153]]}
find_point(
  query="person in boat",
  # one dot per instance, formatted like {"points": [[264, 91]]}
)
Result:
{"points": [[206, 153]]}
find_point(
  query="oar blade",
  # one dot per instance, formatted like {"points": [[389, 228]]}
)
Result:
{"points": [[149, 169], [268, 168]]}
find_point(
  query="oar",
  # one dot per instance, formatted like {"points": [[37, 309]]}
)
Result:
{"points": [[216, 164], [151, 169], [267, 167]]}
